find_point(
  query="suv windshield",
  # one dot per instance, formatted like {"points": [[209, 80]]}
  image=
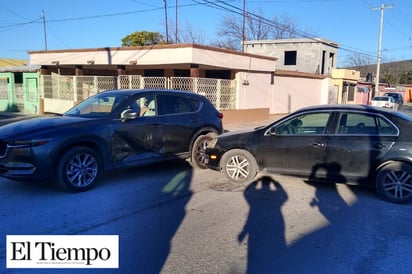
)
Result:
{"points": [[98, 106]]}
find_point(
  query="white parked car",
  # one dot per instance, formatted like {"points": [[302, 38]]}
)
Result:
{"points": [[384, 102]]}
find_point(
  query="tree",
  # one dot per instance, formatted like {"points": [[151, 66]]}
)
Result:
{"points": [[142, 38], [186, 33], [406, 78], [256, 27], [360, 62]]}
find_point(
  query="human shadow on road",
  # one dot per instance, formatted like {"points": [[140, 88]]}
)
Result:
{"points": [[265, 227]]}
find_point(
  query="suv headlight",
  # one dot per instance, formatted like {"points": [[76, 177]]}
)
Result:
{"points": [[27, 143]]}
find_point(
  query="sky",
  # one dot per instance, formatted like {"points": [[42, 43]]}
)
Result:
{"points": [[54, 24]]}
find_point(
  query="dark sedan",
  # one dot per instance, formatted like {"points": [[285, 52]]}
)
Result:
{"points": [[338, 143], [113, 129]]}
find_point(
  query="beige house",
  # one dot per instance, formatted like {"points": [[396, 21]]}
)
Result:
{"points": [[251, 76], [243, 85], [345, 82]]}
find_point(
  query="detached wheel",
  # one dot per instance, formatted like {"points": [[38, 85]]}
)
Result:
{"points": [[394, 182], [78, 169], [239, 166], [198, 158]]}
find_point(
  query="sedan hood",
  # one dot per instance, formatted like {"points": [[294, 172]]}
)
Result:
{"points": [[237, 132], [40, 124]]}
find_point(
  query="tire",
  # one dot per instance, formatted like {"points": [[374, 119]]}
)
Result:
{"points": [[78, 169], [239, 166], [198, 156], [394, 182]]}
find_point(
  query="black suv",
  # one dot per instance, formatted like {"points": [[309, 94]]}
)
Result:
{"points": [[396, 96], [113, 129]]}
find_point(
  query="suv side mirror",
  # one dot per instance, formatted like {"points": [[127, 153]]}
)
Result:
{"points": [[129, 114]]}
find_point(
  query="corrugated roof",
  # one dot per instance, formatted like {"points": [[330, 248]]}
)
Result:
{"points": [[30, 68], [12, 62]]}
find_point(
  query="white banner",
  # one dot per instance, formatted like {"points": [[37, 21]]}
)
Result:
{"points": [[62, 251]]}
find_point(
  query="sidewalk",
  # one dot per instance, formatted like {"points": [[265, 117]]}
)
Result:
{"points": [[250, 125], [245, 125]]}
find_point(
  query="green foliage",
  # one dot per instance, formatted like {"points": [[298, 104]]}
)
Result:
{"points": [[389, 78], [142, 38], [406, 78]]}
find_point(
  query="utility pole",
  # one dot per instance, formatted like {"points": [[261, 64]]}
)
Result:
{"points": [[167, 28], [177, 36], [44, 29], [378, 64], [243, 25]]}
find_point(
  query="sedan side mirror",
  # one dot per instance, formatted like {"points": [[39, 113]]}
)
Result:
{"points": [[272, 131]]}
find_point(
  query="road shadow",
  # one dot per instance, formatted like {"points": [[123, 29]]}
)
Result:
{"points": [[145, 206], [156, 207], [315, 252], [265, 227], [332, 234]]}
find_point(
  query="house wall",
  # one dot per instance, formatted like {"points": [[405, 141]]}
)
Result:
{"points": [[164, 55], [312, 55], [292, 93], [254, 90], [342, 78]]}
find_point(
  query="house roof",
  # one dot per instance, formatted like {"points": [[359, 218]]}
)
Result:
{"points": [[30, 68], [290, 73], [165, 55], [294, 41], [12, 62]]}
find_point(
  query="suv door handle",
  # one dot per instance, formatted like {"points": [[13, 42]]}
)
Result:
{"points": [[379, 145], [321, 145]]}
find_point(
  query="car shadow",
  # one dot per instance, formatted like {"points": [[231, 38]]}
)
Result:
{"points": [[144, 206]]}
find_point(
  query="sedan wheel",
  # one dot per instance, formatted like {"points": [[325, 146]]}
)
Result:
{"points": [[394, 182], [239, 166], [78, 170]]}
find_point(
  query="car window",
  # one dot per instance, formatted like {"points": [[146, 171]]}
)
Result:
{"points": [[142, 106], [172, 104], [97, 106], [196, 103], [382, 98], [311, 123], [364, 124], [148, 105]]}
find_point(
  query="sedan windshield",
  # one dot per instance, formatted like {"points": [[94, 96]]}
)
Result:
{"points": [[101, 105]]}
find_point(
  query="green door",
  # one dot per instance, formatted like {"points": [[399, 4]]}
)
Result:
{"points": [[31, 92], [6, 91]]}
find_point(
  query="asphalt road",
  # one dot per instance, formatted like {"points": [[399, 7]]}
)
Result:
{"points": [[173, 219]]}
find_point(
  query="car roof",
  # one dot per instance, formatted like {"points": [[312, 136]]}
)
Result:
{"points": [[381, 97], [137, 91], [337, 107], [352, 107]]}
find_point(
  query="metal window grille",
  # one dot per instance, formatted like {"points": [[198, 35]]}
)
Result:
{"points": [[221, 92]]}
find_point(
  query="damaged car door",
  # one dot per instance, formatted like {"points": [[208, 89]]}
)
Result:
{"points": [[137, 134]]}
